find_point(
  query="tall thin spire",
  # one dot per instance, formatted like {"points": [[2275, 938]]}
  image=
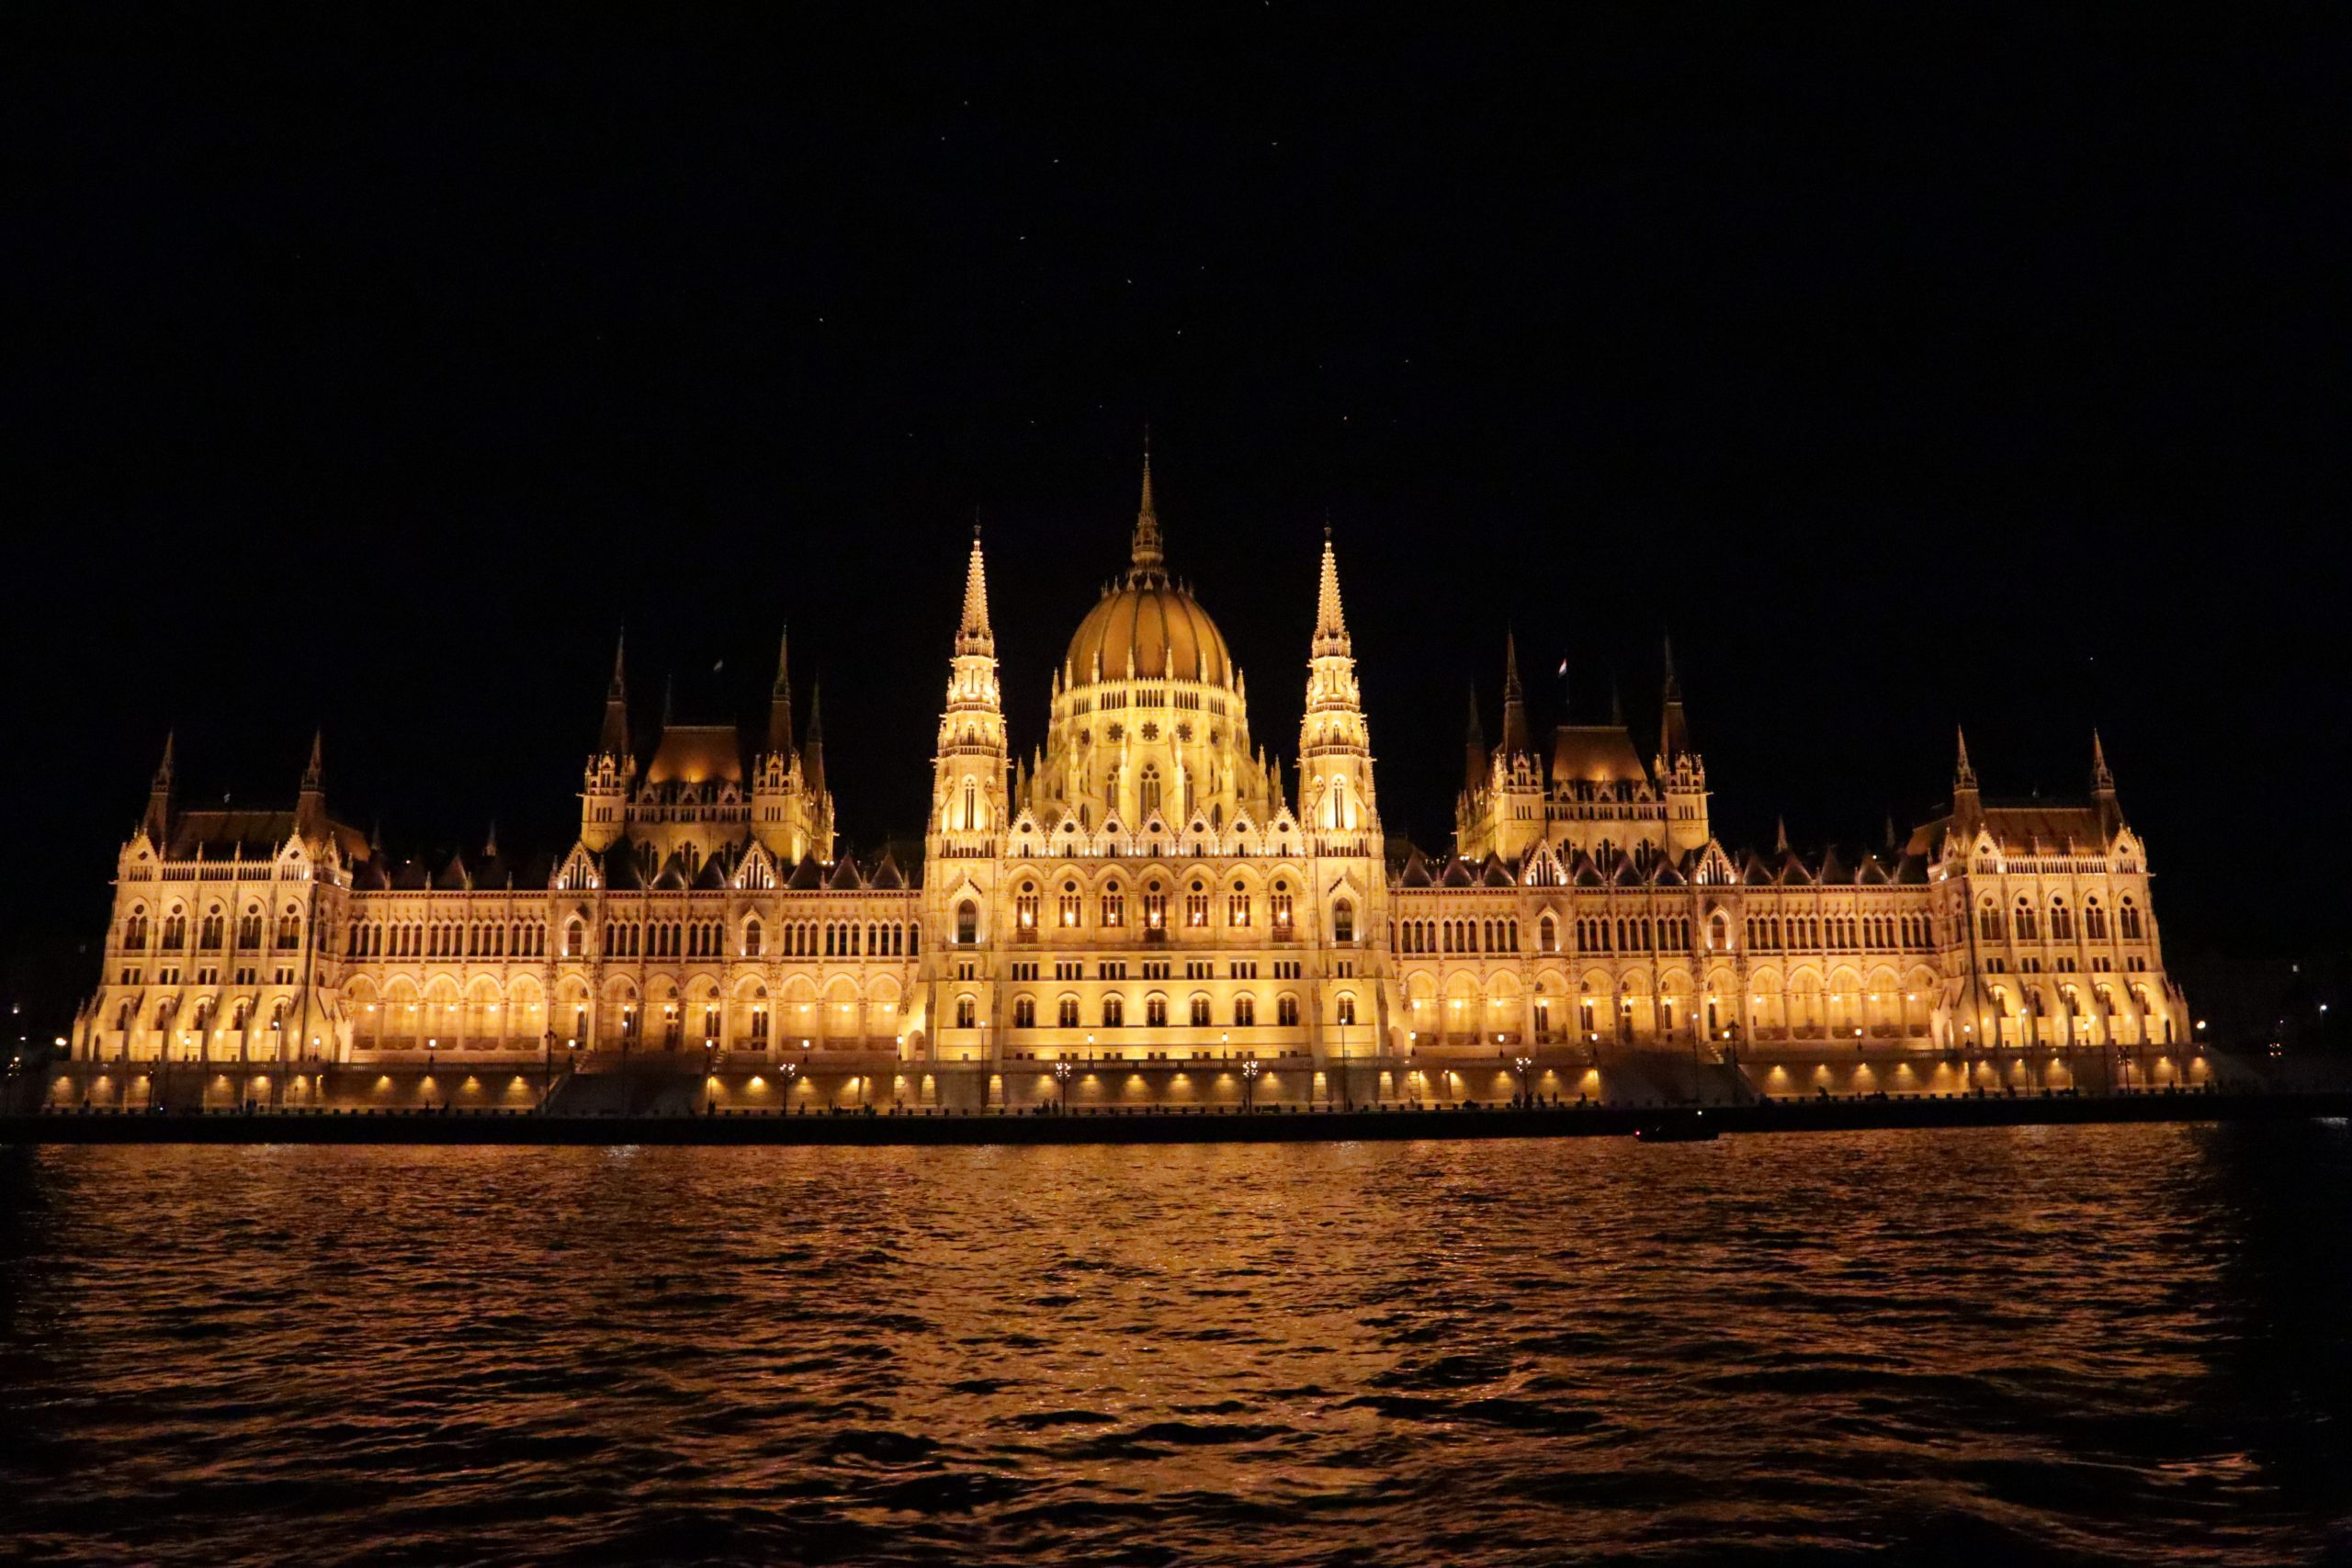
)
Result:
{"points": [[157, 823], [1330, 619], [613, 741], [780, 700], [2102, 781], [1146, 561], [1518, 737], [314, 771], [1674, 728], [1779, 835], [974, 635], [1964, 776], [1473, 748], [812, 750]]}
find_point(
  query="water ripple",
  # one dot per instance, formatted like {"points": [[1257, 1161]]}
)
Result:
{"points": [[2122, 1344]]}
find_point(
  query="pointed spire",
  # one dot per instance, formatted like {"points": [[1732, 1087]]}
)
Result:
{"points": [[1330, 619], [780, 700], [1518, 737], [489, 844], [2102, 781], [1474, 749], [1963, 777], [1891, 840], [157, 822], [974, 636], [1779, 835], [812, 751], [1146, 562], [613, 741], [1674, 728], [310, 807]]}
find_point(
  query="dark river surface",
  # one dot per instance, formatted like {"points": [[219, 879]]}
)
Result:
{"points": [[2122, 1344]]}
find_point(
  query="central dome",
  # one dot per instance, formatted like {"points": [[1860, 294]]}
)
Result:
{"points": [[1148, 619], [1158, 625]]}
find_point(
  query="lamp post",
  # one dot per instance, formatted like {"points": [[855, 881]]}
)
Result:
{"points": [[710, 1078], [1062, 1078], [1249, 1085], [1526, 1089]]}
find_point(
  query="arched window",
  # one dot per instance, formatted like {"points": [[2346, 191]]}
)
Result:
{"points": [[968, 1012], [1200, 1013], [1346, 1010], [1147, 791], [755, 938], [1067, 1012], [2025, 919], [1025, 907], [1115, 1011], [1237, 905], [289, 927], [1343, 922], [2127, 915], [1069, 903], [968, 923], [2094, 921], [1114, 905], [1025, 1012], [1287, 1010], [1154, 1011], [1245, 1011], [1718, 934], [210, 937]]}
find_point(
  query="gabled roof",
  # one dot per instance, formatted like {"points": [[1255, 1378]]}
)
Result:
{"points": [[845, 877], [806, 876], [1415, 872], [886, 873], [1495, 875], [1457, 874]]}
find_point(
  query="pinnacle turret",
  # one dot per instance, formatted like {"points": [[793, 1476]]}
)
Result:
{"points": [[613, 741], [1146, 561], [1330, 619], [974, 634], [780, 700], [1519, 735]]}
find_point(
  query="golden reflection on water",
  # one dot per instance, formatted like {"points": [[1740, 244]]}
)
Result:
{"points": [[1987, 1341]]}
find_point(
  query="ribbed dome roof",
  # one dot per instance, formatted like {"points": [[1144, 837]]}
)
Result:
{"points": [[1148, 615], [1166, 629]]}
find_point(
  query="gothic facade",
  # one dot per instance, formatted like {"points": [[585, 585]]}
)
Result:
{"points": [[1144, 894]]}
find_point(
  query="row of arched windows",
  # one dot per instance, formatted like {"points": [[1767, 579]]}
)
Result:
{"points": [[1838, 932], [171, 933], [1500, 935], [1111, 1012], [2025, 922]]}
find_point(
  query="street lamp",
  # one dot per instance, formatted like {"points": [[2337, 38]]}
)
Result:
{"points": [[1061, 1076], [1525, 1093], [1249, 1085]]}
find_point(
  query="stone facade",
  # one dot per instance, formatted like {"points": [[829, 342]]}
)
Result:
{"points": [[1139, 909]]}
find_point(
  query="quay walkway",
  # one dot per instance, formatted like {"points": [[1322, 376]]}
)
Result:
{"points": [[1285, 1123]]}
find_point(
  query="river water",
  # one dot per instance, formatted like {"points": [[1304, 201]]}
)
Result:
{"points": [[2126, 1344]]}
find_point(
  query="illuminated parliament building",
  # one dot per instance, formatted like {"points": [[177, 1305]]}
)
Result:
{"points": [[1151, 902]]}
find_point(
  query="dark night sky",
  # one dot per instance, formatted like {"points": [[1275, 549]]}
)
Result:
{"points": [[1907, 375]]}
